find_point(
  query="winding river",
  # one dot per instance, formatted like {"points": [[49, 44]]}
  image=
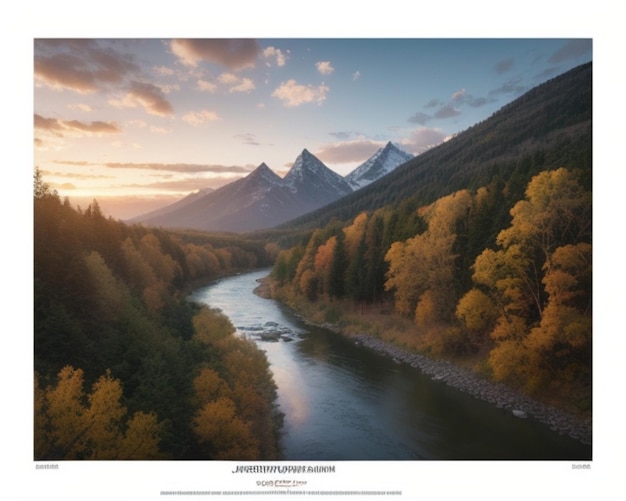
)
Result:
{"points": [[343, 401]]}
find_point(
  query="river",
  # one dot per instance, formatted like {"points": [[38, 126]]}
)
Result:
{"points": [[343, 401]]}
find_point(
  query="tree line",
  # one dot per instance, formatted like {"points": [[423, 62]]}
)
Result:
{"points": [[512, 292], [125, 366]]}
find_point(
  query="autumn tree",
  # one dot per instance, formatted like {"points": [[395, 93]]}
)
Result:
{"points": [[338, 267], [72, 425], [235, 417], [422, 268], [539, 280]]}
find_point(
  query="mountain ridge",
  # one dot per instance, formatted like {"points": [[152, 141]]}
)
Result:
{"points": [[262, 199]]}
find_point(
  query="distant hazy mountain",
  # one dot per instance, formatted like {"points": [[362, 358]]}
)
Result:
{"points": [[260, 200], [192, 197], [379, 164]]}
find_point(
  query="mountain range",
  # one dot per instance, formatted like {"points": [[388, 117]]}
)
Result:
{"points": [[263, 199]]}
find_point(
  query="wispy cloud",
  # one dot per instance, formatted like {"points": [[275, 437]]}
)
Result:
{"points": [[348, 151], [356, 75], [459, 95], [61, 128], [447, 111], [167, 167], [206, 86], [164, 70], [420, 118], [80, 107], [74, 175], [344, 135], [197, 118], [503, 66], [248, 138], [572, 50], [272, 53], [514, 86], [324, 67], [293, 94], [145, 95], [232, 53], [243, 85], [422, 139]]}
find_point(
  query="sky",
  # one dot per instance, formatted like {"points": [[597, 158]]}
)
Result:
{"points": [[137, 123]]}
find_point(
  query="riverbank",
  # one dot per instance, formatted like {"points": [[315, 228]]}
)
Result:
{"points": [[463, 379]]}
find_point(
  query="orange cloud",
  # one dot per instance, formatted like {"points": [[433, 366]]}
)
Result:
{"points": [[75, 127], [293, 94], [231, 53], [197, 118], [149, 96], [273, 52], [324, 67]]}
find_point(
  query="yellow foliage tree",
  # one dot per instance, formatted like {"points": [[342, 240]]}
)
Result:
{"points": [[208, 386], [211, 327], [354, 233], [540, 281], [223, 434], [72, 425], [426, 262]]}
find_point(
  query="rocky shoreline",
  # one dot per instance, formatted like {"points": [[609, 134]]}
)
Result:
{"points": [[465, 380]]}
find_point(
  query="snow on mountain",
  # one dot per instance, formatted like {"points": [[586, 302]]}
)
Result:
{"points": [[314, 183], [379, 164]]}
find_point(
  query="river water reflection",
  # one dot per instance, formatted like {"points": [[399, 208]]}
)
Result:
{"points": [[344, 401]]}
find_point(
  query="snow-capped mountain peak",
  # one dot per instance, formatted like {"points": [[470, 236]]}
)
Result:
{"points": [[265, 175], [379, 164], [309, 171]]}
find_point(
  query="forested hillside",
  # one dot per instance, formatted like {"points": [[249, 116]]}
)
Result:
{"points": [[514, 300], [125, 366]]}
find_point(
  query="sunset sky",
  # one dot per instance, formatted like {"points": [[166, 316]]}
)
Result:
{"points": [[137, 123]]}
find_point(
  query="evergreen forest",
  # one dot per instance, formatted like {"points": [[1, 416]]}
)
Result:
{"points": [[125, 366]]}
